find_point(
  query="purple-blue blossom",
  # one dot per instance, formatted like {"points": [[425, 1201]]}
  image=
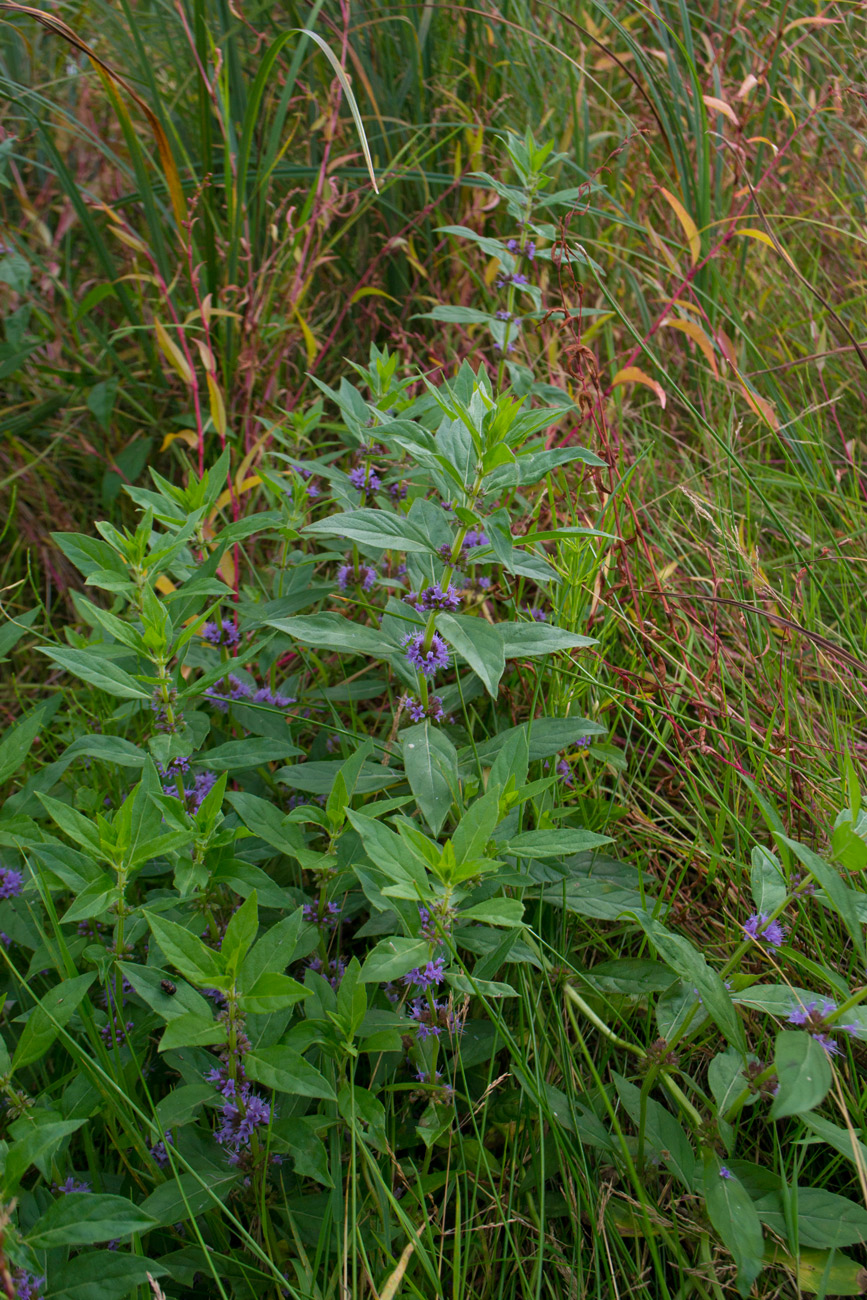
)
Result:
{"points": [[327, 918], [427, 661], [27, 1285], [724, 1172], [11, 882], [265, 695], [475, 537], [435, 598], [422, 979], [365, 576], [760, 928], [222, 633], [365, 479], [71, 1185], [242, 1117]]}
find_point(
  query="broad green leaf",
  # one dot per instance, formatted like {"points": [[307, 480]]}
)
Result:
{"points": [[191, 1030], [601, 900], [280, 945], [839, 1138], [553, 843], [83, 1218], [431, 763], [272, 992], [376, 528], [496, 911], [525, 640], [79, 828], [240, 933], [734, 1216], [727, 1079], [662, 1131], [804, 1073], [477, 824], [186, 952], [168, 1204], [692, 968], [286, 1071], [824, 1219], [545, 737], [477, 642], [394, 957], [107, 749], [10, 634], [265, 820], [333, 632], [767, 882], [103, 1275], [255, 751], [16, 743], [147, 981], [42, 1141], [455, 315], [836, 891], [98, 671], [481, 988], [47, 1019], [318, 777]]}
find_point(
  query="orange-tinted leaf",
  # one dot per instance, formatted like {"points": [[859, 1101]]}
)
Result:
{"points": [[689, 227], [699, 338], [215, 401], [720, 106], [632, 375], [173, 353]]}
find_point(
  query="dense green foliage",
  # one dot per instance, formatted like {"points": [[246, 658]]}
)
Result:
{"points": [[432, 853]]}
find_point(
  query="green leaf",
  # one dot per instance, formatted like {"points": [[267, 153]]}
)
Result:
{"points": [[479, 988], [10, 635], [662, 1131], [727, 1079], [804, 1073], [265, 820], [98, 671], [496, 911], [186, 952], [734, 1216], [253, 752], [767, 882], [192, 1030], [79, 828], [107, 749], [333, 632], [286, 1071], [169, 1203], [94, 900], [394, 957], [15, 745], [838, 894], [240, 933], [308, 1151], [46, 1020], [103, 1275], [479, 643], [272, 992], [376, 528], [280, 945], [678, 953], [553, 843], [147, 981], [42, 1141], [848, 1145], [83, 1218], [455, 315], [318, 777], [824, 1219], [525, 640], [545, 737], [431, 763]]}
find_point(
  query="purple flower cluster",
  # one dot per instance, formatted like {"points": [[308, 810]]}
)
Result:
{"points": [[537, 614], [365, 576], [221, 698], [434, 598], [222, 633], [11, 882], [435, 921], [312, 490], [432, 1020], [326, 919], [71, 1185], [194, 795], [428, 661], [418, 712], [815, 1017], [398, 491], [265, 695], [333, 970], [159, 1153], [423, 979], [27, 1285], [476, 537], [114, 1033], [242, 1113], [366, 479], [760, 928]]}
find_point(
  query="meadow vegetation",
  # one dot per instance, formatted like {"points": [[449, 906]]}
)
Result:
{"points": [[432, 501]]}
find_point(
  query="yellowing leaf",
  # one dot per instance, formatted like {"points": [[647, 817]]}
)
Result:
{"points": [[126, 238], [310, 345], [818, 21], [762, 235], [393, 1281], [720, 106], [699, 338], [215, 401], [225, 497], [632, 375], [186, 435], [779, 100], [762, 139], [173, 353], [207, 356], [164, 584], [689, 227], [370, 293], [226, 569]]}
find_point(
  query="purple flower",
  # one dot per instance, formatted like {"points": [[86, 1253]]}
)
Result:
{"points": [[762, 930], [815, 1017], [71, 1185], [432, 974], [265, 695], [483, 583], [327, 919], [504, 315], [475, 537], [333, 970], [365, 479], [27, 1285], [114, 1033], [724, 1173], [512, 245], [397, 491], [536, 614], [159, 1153], [564, 772], [436, 598], [313, 491], [303, 471], [426, 661], [365, 576], [242, 1117], [238, 690], [424, 1077], [5, 940], [530, 250], [11, 882], [223, 633]]}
